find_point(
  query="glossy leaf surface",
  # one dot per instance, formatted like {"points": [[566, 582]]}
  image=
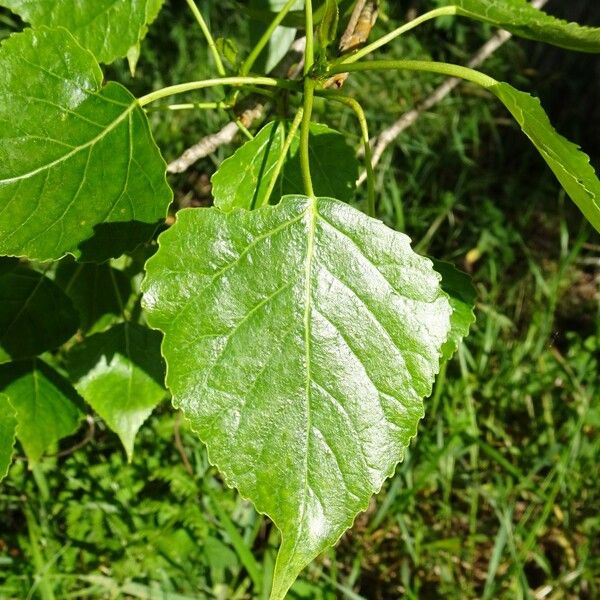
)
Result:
{"points": [[522, 19], [243, 179], [300, 352], [461, 296], [8, 431], [120, 374], [47, 406], [79, 170], [571, 166], [107, 28], [35, 315]]}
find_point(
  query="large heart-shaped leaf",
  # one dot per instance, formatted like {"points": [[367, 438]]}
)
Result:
{"points": [[47, 406], [120, 374], [300, 352], [108, 28], [79, 170], [8, 431], [242, 180], [522, 19], [35, 315]]}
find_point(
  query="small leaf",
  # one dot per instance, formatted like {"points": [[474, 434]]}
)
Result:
{"points": [[242, 180], [120, 374], [461, 296], [47, 406], [35, 315], [8, 430], [228, 49], [300, 353], [97, 290], [79, 170], [329, 24], [571, 166], [522, 19], [108, 29]]}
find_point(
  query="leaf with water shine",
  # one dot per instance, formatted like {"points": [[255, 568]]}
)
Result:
{"points": [[120, 374], [571, 166], [48, 408], [79, 171], [524, 20], [461, 296], [107, 28], [300, 352], [35, 314], [8, 431], [243, 179]]}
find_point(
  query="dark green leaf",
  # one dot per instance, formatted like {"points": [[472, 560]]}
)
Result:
{"points": [[571, 166], [47, 406], [461, 296], [522, 19], [242, 180], [8, 430], [329, 24], [97, 290], [300, 353], [120, 374], [107, 28], [35, 315], [79, 170]]}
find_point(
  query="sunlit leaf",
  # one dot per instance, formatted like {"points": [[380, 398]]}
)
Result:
{"points": [[300, 352], [8, 430]]}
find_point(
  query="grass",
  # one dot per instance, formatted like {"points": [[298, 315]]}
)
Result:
{"points": [[498, 495]]}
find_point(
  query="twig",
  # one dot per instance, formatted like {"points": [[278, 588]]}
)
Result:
{"points": [[387, 136]]}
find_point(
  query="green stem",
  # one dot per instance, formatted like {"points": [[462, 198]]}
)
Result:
{"points": [[309, 53], [266, 36], [209, 38], [191, 106], [364, 129], [207, 83], [309, 96], [284, 151], [432, 14], [417, 65]]}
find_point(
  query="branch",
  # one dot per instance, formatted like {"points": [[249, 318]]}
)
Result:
{"points": [[387, 136]]}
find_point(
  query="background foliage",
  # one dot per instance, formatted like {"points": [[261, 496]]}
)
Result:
{"points": [[498, 496]]}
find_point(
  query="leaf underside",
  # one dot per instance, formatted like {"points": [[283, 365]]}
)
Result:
{"points": [[522, 19], [106, 28], [47, 406], [120, 374], [79, 170], [8, 430], [300, 353]]}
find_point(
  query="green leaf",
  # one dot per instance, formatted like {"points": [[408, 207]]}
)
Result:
{"points": [[97, 290], [571, 166], [243, 179], [120, 374], [8, 431], [35, 315], [300, 353], [79, 170], [107, 28], [280, 41], [461, 296], [522, 19], [329, 24], [47, 406]]}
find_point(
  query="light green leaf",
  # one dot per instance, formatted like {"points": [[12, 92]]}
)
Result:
{"points": [[300, 353], [522, 19], [461, 296], [47, 406], [571, 166], [8, 430], [243, 179], [107, 28], [79, 170], [120, 374], [35, 315], [97, 290]]}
